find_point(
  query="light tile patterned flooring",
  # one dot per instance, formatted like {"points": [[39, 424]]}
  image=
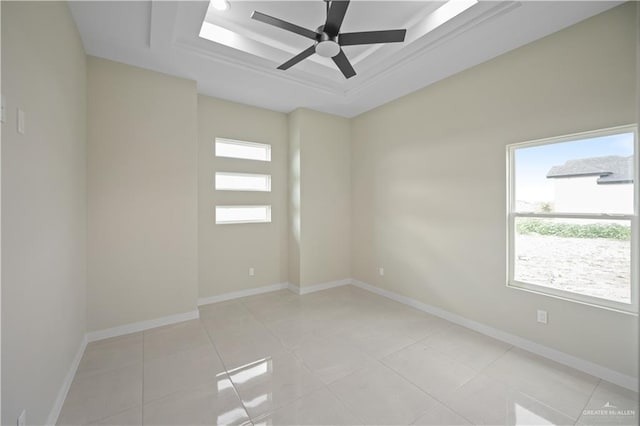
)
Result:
{"points": [[338, 357]]}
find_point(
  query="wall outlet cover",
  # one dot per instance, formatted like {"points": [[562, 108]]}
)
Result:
{"points": [[542, 316]]}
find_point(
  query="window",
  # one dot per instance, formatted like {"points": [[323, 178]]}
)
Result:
{"points": [[573, 217], [242, 182], [244, 150], [243, 214], [237, 181]]}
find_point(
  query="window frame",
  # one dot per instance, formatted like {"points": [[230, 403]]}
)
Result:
{"points": [[512, 214], [266, 146], [267, 176], [231, 222]]}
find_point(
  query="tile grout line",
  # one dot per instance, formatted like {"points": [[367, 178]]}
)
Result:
{"points": [[292, 352], [536, 399], [502, 355], [435, 398], [593, 391], [92, 374], [481, 371], [344, 404], [512, 388], [422, 390], [178, 391], [377, 361], [478, 373], [226, 369]]}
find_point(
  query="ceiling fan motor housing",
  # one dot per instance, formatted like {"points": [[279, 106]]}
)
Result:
{"points": [[327, 45]]}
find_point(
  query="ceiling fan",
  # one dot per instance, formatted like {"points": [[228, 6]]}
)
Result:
{"points": [[328, 40]]}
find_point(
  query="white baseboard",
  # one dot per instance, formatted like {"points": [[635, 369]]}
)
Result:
{"points": [[274, 287], [141, 326], [585, 366], [105, 334], [242, 293], [318, 287], [66, 384]]}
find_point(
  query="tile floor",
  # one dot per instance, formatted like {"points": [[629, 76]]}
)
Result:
{"points": [[338, 357]]}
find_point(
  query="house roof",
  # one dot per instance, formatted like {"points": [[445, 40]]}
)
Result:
{"points": [[611, 169]]}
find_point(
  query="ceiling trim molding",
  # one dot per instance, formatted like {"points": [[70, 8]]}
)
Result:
{"points": [[402, 59], [247, 66], [162, 24], [366, 78], [164, 36]]}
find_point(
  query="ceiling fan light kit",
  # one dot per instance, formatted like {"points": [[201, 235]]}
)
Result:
{"points": [[327, 46], [221, 5], [328, 40]]}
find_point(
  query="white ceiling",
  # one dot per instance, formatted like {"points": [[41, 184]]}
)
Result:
{"points": [[241, 64]]}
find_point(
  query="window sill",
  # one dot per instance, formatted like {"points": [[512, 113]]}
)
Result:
{"points": [[632, 311]]}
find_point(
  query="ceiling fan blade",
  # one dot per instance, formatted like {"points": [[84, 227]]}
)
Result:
{"points": [[343, 63], [371, 37], [258, 16], [335, 16], [299, 57]]}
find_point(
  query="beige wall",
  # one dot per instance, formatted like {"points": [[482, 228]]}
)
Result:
{"points": [[429, 182], [294, 220], [320, 222], [228, 251], [43, 206], [0, 221], [142, 205], [418, 185]]}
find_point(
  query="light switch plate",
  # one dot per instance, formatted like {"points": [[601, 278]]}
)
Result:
{"points": [[3, 109], [542, 316], [21, 120]]}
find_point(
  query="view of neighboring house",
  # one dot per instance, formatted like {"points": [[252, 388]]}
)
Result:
{"points": [[585, 185]]}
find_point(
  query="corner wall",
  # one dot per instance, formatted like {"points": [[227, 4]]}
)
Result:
{"points": [[44, 209], [429, 182], [228, 251], [294, 219], [142, 204], [320, 204]]}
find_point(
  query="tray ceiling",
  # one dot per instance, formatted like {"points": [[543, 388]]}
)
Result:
{"points": [[233, 57]]}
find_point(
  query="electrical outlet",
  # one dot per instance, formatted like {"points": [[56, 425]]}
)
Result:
{"points": [[252, 272], [22, 420], [542, 316], [381, 271]]}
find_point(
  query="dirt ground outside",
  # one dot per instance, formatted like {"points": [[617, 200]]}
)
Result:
{"points": [[593, 266]]}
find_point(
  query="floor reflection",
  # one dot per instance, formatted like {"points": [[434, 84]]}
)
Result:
{"points": [[233, 415], [525, 410], [260, 370]]}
